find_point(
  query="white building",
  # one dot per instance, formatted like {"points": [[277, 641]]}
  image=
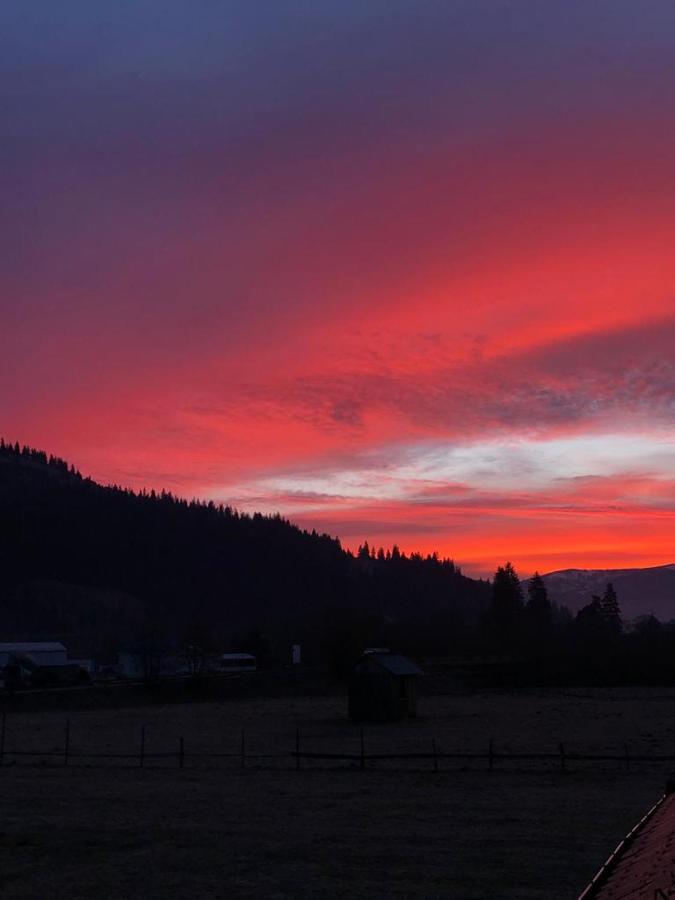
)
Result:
{"points": [[238, 662], [42, 653]]}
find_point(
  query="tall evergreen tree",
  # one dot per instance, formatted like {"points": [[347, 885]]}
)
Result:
{"points": [[611, 612], [589, 621], [506, 609], [538, 607]]}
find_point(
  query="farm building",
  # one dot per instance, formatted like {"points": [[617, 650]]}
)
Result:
{"points": [[238, 662], [42, 653], [383, 688], [25, 672], [38, 664], [643, 863]]}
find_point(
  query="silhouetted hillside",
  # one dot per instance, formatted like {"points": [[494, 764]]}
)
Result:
{"points": [[643, 592], [110, 566]]}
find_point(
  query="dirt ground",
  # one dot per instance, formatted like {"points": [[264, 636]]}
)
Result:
{"points": [[525, 830]]}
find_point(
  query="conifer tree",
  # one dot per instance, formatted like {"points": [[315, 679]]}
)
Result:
{"points": [[507, 603], [611, 612], [538, 607], [589, 622]]}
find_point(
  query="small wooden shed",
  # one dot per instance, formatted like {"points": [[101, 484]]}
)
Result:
{"points": [[383, 688]]}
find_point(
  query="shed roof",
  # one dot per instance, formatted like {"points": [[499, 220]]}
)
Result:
{"points": [[32, 647], [642, 864], [395, 663]]}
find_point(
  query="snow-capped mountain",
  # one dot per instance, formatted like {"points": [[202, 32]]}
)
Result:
{"points": [[641, 592]]}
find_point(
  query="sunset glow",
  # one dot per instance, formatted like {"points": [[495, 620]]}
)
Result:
{"points": [[401, 271]]}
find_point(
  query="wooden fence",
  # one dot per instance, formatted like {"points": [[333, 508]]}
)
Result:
{"points": [[432, 758]]}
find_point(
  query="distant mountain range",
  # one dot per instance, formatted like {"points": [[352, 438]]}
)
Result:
{"points": [[641, 592]]}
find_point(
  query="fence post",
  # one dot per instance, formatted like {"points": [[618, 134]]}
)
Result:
{"points": [[625, 750], [297, 749], [243, 749], [363, 752], [2, 737], [66, 749], [491, 755], [433, 747], [141, 759], [181, 752], [562, 757]]}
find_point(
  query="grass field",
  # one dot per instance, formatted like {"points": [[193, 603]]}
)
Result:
{"points": [[521, 831]]}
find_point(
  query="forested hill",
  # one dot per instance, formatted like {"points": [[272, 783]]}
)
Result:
{"points": [[81, 559]]}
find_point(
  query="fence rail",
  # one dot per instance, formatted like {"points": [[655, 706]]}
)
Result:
{"points": [[181, 755]]}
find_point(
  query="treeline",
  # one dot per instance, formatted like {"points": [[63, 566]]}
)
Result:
{"points": [[30, 454], [107, 568], [548, 644], [164, 570]]}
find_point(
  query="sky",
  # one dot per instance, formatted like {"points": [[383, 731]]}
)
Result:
{"points": [[401, 271]]}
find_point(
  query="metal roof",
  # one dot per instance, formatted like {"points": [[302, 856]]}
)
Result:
{"points": [[642, 864], [395, 663], [32, 647]]}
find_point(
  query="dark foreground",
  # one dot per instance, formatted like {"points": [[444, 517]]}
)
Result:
{"points": [[83, 833]]}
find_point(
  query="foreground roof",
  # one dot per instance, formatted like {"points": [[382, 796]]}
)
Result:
{"points": [[642, 865]]}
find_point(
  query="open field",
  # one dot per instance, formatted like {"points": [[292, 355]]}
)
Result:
{"points": [[522, 831], [600, 720]]}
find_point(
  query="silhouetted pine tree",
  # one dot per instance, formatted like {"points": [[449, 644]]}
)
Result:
{"points": [[538, 606], [590, 621], [611, 613], [506, 610]]}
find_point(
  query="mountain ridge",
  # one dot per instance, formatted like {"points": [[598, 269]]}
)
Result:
{"points": [[641, 591], [195, 566]]}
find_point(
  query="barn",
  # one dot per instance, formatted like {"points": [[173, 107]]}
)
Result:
{"points": [[38, 664], [41, 653], [383, 688], [234, 663]]}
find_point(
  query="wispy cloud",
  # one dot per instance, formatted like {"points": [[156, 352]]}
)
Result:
{"points": [[403, 271]]}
